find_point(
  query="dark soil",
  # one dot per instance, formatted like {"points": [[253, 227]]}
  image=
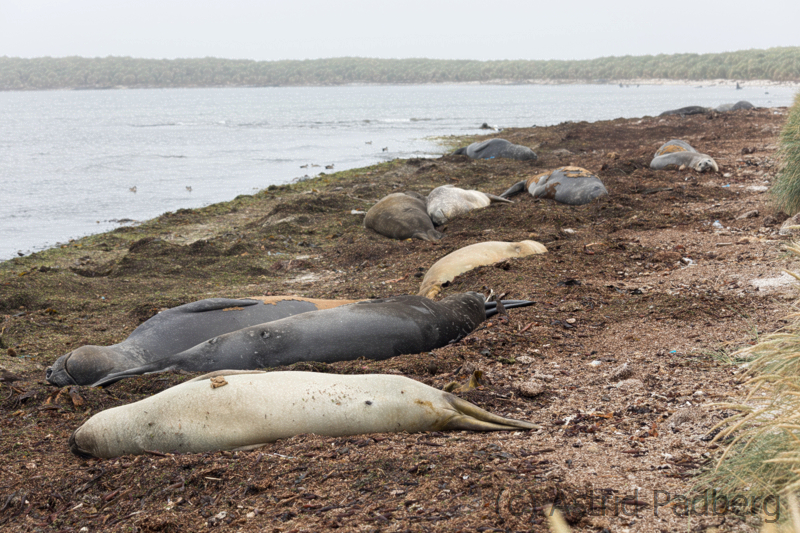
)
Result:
{"points": [[639, 278]]}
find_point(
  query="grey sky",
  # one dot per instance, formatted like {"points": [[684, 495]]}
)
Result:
{"points": [[467, 29]]}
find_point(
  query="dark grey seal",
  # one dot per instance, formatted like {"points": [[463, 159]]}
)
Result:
{"points": [[565, 185], [374, 329], [175, 330], [741, 104], [402, 216], [684, 111], [497, 148]]}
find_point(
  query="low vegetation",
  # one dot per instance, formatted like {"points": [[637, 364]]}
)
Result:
{"points": [[787, 183], [779, 64], [762, 453]]}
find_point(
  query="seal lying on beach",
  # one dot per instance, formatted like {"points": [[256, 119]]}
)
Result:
{"points": [[465, 259], [175, 330], [565, 185], [244, 411], [677, 153], [447, 202], [694, 160], [493, 148], [685, 111], [402, 216], [741, 104], [374, 329], [675, 145]]}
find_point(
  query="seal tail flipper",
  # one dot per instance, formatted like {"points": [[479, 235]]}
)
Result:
{"points": [[491, 307], [493, 198], [515, 189], [473, 418]]}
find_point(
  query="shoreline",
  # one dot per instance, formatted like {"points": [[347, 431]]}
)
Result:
{"points": [[721, 82]]}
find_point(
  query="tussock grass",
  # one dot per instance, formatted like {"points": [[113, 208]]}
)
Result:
{"points": [[762, 440], [786, 189]]}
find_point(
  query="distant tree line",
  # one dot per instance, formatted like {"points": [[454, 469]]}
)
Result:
{"points": [[778, 64]]}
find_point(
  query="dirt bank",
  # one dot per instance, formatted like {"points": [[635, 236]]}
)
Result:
{"points": [[640, 302]]}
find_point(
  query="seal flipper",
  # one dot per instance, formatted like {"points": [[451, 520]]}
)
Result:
{"points": [[491, 307], [514, 189], [493, 198], [149, 368], [214, 304], [473, 418]]}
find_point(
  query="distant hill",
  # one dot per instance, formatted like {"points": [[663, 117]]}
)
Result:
{"points": [[777, 64]]}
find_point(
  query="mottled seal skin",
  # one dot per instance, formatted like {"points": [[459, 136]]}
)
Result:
{"points": [[402, 216], [493, 148], [695, 160], [464, 259], [675, 145], [741, 104], [685, 111], [175, 330], [374, 329], [565, 185], [448, 202], [254, 409]]}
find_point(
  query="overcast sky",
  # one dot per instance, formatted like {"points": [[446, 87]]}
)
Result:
{"points": [[466, 29]]}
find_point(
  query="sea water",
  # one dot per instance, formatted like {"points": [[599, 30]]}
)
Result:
{"points": [[74, 163]]}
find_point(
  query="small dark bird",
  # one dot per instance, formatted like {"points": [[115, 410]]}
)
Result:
{"points": [[329, 167], [385, 148]]}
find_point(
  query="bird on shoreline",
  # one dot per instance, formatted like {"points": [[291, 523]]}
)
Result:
{"points": [[133, 189], [189, 188]]}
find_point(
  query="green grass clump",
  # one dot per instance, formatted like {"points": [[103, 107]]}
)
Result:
{"points": [[786, 190], [762, 440]]}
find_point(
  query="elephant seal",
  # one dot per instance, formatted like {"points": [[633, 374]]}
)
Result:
{"points": [[464, 259], [684, 111], [741, 104], [175, 330], [375, 329], [493, 148], [447, 202], [252, 409], [675, 145], [565, 185], [401, 216], [695, 160]]}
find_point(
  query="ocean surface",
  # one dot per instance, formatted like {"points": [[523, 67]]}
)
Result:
{"points": [[73, 163]]}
